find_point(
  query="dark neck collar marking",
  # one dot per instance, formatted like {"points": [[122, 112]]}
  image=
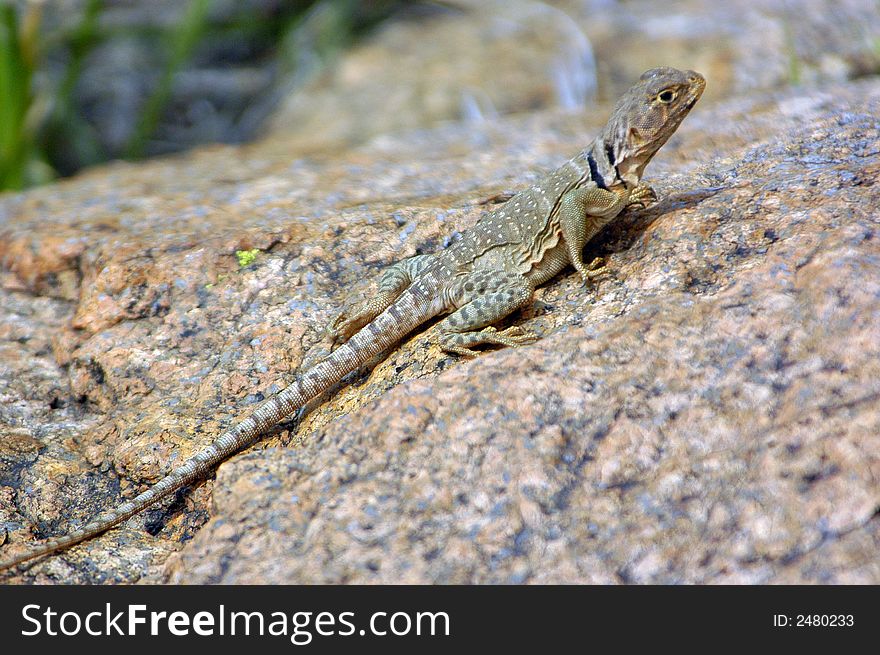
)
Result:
{"points": [[595, 175], [609, 152]]}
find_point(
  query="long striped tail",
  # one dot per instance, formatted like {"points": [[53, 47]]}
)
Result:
{"points": [[409, 311]]}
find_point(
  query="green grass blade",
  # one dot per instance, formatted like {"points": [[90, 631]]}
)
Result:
{"points": [[183, 41]]}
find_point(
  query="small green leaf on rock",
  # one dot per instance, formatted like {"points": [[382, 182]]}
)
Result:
{"points": [[246, 257]]}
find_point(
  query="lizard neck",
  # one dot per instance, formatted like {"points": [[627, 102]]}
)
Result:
{"points": [[601, 156]]}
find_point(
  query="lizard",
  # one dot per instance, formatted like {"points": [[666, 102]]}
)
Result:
{"points": [[489, 273]]}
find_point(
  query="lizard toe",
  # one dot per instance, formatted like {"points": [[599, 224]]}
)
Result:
{"points": [[516, 336]]}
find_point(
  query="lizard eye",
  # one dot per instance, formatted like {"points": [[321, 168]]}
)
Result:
{"points": [[666, 96]]}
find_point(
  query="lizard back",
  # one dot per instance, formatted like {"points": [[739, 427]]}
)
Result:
{"points": [[517, 235]]}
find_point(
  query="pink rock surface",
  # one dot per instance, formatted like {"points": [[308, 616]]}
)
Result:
{"points": [[706, 414]]}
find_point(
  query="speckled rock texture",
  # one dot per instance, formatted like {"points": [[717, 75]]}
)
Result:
{"points": [[707, 413]]}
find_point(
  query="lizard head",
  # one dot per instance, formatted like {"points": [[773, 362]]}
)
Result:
{"points": [[647, 115]]}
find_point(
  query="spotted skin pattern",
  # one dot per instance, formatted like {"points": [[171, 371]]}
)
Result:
{"points": [[489, 273]]}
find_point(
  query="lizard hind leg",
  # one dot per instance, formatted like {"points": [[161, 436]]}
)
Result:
{"points": [[484, 298], [394, 280]]}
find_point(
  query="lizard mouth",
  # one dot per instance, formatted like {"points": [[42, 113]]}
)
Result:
{"points": [[693, 96], [697, 88]]}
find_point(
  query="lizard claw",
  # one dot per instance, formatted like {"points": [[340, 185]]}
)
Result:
{"points": [[459, 343], [344, 326], [461, 351], [596, 268], [334, 334], [516, 336], [641, 197]]}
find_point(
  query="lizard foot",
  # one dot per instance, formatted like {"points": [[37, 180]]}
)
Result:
{"points": [[346, 324], [596, 268], [641, 197], [460, 343]]}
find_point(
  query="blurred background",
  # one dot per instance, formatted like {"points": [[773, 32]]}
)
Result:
{"points": [[87, 81]]}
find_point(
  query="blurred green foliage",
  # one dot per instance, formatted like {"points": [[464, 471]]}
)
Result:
{"points": [[182, 40], [19, 158], [43, 129]]}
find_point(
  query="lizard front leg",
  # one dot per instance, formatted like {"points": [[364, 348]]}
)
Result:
{"points": [[483, 298], [394, 280], [583, 212]]}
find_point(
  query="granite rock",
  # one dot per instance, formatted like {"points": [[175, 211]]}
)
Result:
{"points": [[707, 413]]}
